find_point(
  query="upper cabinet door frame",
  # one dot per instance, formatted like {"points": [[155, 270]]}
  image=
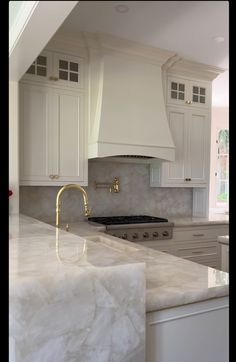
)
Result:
{"points": [[41, 68], [68, 70], [188, 92]]}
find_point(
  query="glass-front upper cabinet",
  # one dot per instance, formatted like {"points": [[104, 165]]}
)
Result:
{"points": [[56, 68], [188, 92]]}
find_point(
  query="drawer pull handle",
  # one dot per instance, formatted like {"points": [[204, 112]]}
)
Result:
{"points": [[197, 252], [198, 234]]}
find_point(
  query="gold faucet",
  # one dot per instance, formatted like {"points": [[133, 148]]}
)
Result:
{"points": [[115, 186], [85, 199]]}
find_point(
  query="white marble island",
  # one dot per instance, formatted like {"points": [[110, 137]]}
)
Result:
{"points": [[70, 299], [46, 293]]}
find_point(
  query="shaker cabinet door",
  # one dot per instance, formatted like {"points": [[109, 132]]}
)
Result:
{"points": [[52, 136], [34, 133]]}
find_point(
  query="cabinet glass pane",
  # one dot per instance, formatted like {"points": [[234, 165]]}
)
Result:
{"points": [[41, 60], [173, 95], [41, 71], [195, 98], [203, 91], [202, 99], [181, 87], [173, 85], [195, 89], [74, 67], [181, 96], [73, 77], [31, 69], [63, 64], [63, 75]]}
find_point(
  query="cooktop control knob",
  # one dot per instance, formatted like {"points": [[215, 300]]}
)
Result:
{"points": [[135, 236], [146, 235], [124, 236], [155, 234], [165, 233]]}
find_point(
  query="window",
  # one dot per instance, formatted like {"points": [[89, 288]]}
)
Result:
{"points": [[219, 179], [222, 171]]}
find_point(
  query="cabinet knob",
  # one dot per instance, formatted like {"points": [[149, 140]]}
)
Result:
{"points": [[146, 235], [188, 102], [165, 233], [188, 179], [51, 176], [56, 176], [135, 236]]}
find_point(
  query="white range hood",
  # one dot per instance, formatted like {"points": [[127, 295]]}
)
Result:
{"points": [[126, 101]]}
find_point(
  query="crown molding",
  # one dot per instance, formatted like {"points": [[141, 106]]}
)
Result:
{"points": [[171, 62], [107, 43], [190, 68]]}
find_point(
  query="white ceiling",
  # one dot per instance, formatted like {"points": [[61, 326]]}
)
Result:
{"points": [[186, 27]]}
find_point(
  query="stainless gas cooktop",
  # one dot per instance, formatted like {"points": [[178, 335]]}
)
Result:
{"points": [[136, 227]]}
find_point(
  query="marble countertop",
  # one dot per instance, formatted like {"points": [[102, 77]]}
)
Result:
{"points": [[223, 239], [212, 219], [69, 296], [170, 281]]}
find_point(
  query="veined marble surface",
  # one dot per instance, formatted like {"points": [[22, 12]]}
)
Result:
{"points": [[72, 299], [171, 281], [223, 239], [212, 219], [75, 298]]}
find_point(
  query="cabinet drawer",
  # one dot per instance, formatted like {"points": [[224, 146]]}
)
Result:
{"points": [[198, 233], [197, 250], [160, 246], [207, 260]]}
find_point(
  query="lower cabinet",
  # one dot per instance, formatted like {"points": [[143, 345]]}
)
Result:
{"points": [[195, 243], [224, 257], [52, 136], [197, 332]]}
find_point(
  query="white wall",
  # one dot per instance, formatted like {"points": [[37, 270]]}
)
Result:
{"points": [[13, 147]]}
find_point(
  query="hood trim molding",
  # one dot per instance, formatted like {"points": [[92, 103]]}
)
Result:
{"points": [[106, 149]]}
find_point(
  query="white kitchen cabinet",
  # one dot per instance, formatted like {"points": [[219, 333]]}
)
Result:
{"points": [[53, 134], [188, 92], [195, 243], [57, 69], [224, 257], [165, 246], [197, 332], [199, 243], [190, 130]]}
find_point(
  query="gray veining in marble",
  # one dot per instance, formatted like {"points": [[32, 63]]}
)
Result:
{"points": [[70, 304], [135, 197]]}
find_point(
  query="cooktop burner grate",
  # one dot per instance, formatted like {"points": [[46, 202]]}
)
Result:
{"points": [[130, 219]]}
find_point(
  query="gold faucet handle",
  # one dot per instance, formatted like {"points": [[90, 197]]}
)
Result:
{"points": [[87, 211]]}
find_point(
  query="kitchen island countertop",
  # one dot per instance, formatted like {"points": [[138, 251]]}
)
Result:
{"points": [[170, 281]]}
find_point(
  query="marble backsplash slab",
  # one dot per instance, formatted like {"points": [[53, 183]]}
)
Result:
{"points": [[135, 196]]}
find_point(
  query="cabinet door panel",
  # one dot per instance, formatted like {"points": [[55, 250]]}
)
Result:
{"points": [[70, 137], [173, 172], [197, 148], [68, 69], [41, 69], [34, 133]]}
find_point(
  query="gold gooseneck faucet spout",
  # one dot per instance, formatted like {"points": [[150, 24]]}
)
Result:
{"points": [[85, 199]]}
